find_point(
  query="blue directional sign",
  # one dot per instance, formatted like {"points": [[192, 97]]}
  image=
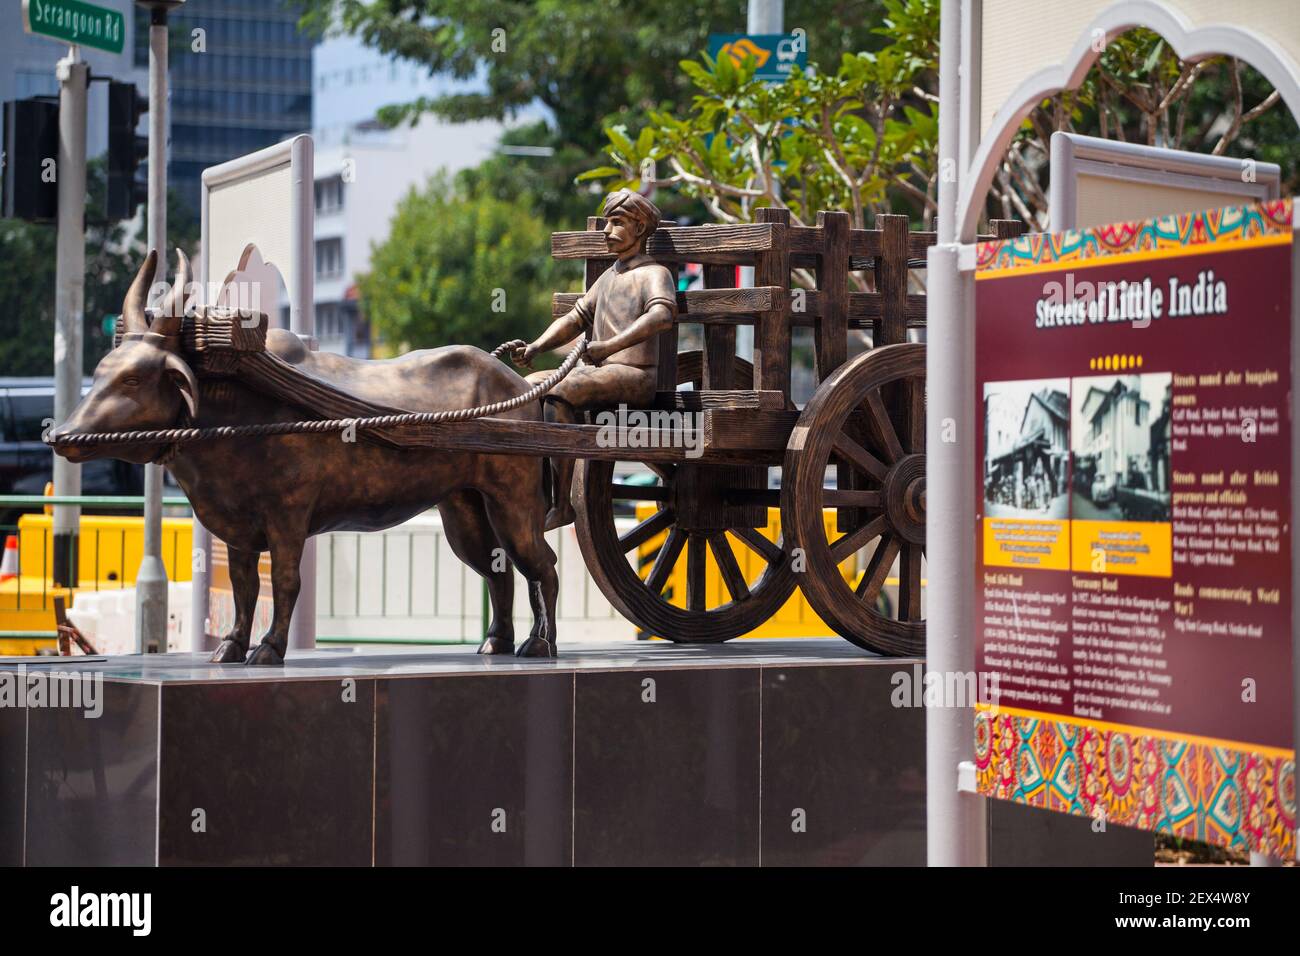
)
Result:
{"points": [[775, 53]]}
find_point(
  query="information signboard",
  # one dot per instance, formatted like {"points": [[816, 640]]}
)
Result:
{"points": [[1134, 537], [73, 21]]}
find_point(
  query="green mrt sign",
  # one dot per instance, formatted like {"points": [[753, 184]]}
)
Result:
{"points": [[75, 22]]}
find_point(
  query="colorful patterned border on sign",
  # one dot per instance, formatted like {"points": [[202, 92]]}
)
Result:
{"points": [[1238, 799], [1229, 224]]}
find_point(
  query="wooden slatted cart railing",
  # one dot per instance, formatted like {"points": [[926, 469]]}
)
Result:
{"points": [[865, 426]]}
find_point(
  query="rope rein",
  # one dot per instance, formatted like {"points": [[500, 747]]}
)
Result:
{"points": [[178, 436]]}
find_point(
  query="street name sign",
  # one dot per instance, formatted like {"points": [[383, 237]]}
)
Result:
{"points": [[73, 21]]}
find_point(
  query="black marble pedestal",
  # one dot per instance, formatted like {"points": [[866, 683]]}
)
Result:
{"points": [[750, 753]]}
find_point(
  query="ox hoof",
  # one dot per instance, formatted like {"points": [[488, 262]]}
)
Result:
{"points": [[497, 645], [228, 652], [536, 647], [266, 655]]}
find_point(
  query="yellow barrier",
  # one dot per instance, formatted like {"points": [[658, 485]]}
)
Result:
{"points": [[110, 552], [794, 619]]}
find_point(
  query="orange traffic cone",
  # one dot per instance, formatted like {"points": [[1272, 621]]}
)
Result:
{"points": [[9, 566]]}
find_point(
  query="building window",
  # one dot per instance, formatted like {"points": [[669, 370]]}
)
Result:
{"points": [[329, 258], [329, 196]]}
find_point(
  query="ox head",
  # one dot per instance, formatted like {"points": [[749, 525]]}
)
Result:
{"points": [[143, 383]]}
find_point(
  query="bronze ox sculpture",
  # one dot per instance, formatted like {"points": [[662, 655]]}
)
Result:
{"points": [[271, 492]]}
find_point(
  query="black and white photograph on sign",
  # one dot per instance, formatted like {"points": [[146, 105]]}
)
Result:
{"points": [[1026, 448], [1120, 447]]}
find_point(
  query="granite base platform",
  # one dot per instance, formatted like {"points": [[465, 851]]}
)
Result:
{"points": [[643, 754]]}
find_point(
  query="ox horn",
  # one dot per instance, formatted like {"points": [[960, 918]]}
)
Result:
{"points": [[133, 317], [168, 321]]}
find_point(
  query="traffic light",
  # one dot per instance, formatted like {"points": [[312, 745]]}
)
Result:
{"points": [[31, 149], [128, 183]]}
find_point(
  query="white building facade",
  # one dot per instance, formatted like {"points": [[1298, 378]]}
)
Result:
{"points": [[1119, 427], [364, 170]]}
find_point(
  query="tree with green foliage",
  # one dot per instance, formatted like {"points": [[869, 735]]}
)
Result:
{"points": [[864, 138], [1140, 91], [460, 267], [589, 62], [113, 255], [852, 138]]}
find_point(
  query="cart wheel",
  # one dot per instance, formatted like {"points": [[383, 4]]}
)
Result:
{"points": [[863, 433], [755, 572]]}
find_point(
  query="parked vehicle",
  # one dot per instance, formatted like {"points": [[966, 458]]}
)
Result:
{"points": [[26, 462], [1139, 504], [1103, 489]]}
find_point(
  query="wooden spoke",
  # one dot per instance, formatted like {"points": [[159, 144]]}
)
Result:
{"points": [[916, 416], [884, 425], [730, 570], [769, 551], [850, 543], [665, 560], [851, 498], [859, 456], [696, 568], [647, 529], [873, 578], [665, 470], [622, 492], [909, 584]]}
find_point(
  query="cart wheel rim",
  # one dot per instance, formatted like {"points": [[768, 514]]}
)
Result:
{"points": [[865, 425]]}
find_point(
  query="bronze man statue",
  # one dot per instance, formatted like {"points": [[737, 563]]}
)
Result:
{"points": [[624, 310]]}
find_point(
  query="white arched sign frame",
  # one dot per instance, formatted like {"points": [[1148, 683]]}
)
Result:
{"points": [[263, 203], [1188, 41]]}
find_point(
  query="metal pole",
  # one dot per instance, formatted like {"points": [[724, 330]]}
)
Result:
{"points": [[956, 822], [766, 16], [69, 297], [151, 580], [302, 320], [201, 556]]}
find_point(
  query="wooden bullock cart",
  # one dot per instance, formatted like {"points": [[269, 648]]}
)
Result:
{"points": [[857, 446]]}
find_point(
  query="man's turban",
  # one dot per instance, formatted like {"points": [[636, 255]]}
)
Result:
{"points": [[636, 206]]}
